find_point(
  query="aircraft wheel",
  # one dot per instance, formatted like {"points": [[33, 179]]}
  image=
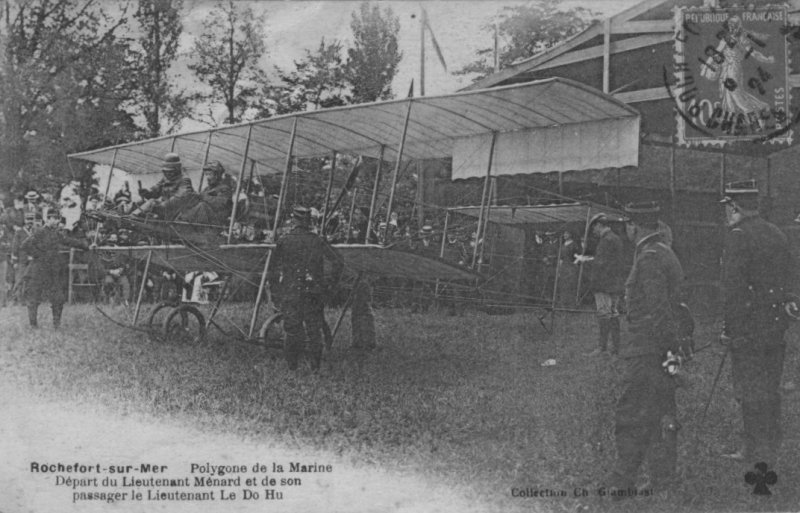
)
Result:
{"points": [[156, 319], [271, 333], [185, 324]]}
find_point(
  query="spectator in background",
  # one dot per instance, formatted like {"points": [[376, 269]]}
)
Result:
{"points": [[69, 201], [607, 280]]}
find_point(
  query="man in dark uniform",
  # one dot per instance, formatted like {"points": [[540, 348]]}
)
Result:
{"points": [[645, 418], [46, 275], [759, 274], [297, 276], [608, 276], [171, 194]]}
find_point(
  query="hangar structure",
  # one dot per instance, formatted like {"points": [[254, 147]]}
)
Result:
{"points": [[634, 57]]}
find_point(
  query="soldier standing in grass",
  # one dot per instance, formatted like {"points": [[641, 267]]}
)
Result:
{"points": [[297, 277], [646, 412], [759, 274], [45, 277], [608, 268]]}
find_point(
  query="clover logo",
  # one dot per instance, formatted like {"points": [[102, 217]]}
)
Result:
{"points": [[761, 478]]}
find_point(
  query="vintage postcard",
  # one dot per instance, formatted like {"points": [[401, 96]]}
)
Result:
{"points": [[395, 256]]}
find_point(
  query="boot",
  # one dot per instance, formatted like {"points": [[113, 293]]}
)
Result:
{"points": [[33, 311], [613, 324], [57, 309]]}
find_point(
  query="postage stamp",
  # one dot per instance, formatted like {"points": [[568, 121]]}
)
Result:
{"points": [[731, 73]]}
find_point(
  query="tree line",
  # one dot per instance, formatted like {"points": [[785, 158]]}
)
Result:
{"points": [[76, 75], [81, 74]]}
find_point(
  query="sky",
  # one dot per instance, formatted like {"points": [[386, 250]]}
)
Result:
{"points": [[293, 26]]}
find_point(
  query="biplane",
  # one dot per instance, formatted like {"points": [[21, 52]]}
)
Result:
{"points": [[542, 126]]}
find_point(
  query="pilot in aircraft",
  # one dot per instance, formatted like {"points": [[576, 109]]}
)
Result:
{"points": [[171, 194]]}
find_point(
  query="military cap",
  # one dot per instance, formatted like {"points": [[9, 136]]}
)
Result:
{"points": [[644, 212], [172, 163], [599, 218], [214, 166], [744, 193], [53, 212], [30, 216]]}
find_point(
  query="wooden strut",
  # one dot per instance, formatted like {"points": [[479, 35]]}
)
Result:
{"points": [[350, 219], [489, 201], [328, 189], [441, 248], [108, 186], [397, 165], [263, 282], [374, 195], [484, 195], [583, 253], [239, 183], [555, 285], [142, 286], [205, 161], [285, 180]]}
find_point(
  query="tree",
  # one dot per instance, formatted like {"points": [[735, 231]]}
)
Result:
{"points": [[373, 59], [63, 80], [526, 30], [227, 55], [317, 82], [161, 29]]}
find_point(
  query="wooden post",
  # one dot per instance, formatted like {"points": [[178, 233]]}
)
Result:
{"points": [[397, 164], [285, 180], [172, 145], [205, 161], [141, 287], [722, 173], [374, 194], [483, 199], [262, 284]]}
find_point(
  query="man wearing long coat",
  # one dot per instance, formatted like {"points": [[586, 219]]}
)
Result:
{"points": [[45, 277]]}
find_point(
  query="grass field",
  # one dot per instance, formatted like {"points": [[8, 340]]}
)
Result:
{"points": [[459, 400]]}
